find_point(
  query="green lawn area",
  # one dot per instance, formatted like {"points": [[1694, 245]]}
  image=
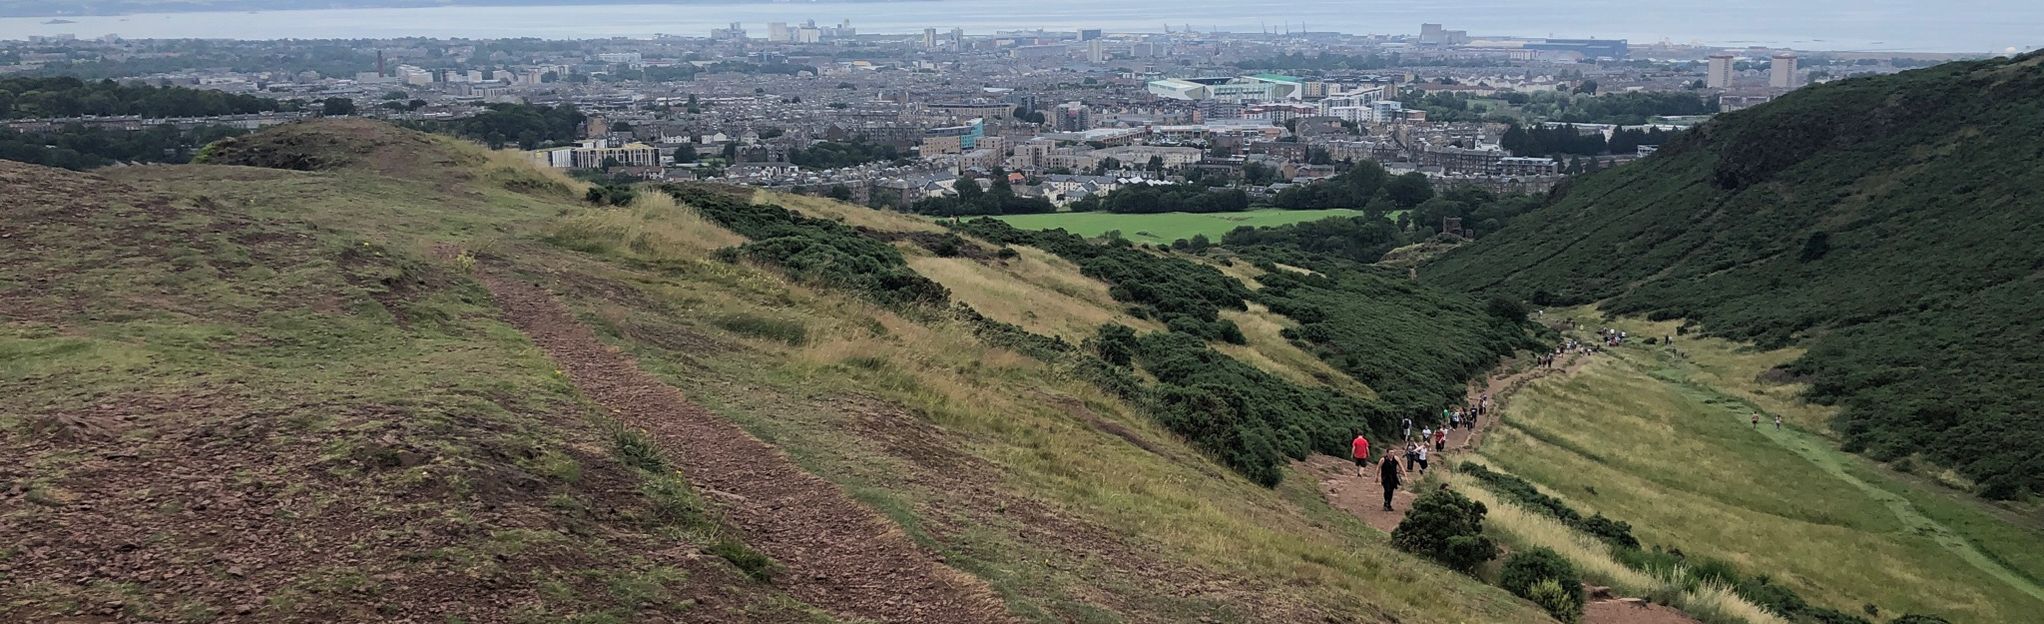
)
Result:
{"points": [[1167, 226], [1664, 441]]}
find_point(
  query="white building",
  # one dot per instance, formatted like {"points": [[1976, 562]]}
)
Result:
{"points": [[1175, 89]]}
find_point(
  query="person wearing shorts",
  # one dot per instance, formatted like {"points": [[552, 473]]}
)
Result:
{"points": [[1360, 449]]}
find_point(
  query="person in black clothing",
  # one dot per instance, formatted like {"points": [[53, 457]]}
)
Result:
{"points": [[1387, 472]]}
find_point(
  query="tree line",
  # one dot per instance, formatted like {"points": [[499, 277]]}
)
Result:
{"points": [[1569, 140], [24, 98], [79, 147]]}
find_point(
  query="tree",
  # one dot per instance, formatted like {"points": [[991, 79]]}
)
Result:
{"points": [[1447, 527], [1409, 190], [968, 190], [839, 192], [685, 154], [336, 107]]}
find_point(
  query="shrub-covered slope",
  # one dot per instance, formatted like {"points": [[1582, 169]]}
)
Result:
{"points": [[1888, 224], [277, 392]]}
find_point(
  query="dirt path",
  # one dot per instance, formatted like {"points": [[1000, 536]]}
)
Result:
{"points": [[839, 555], [1633, 611], [1364, 497]]}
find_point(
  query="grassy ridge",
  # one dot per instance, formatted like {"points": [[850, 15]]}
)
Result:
{"points": [[1887, 224], [278, 357], [379, 396]]}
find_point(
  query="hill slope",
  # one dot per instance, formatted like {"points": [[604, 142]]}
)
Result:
{"points": [[1888, 224], [321, 392]]}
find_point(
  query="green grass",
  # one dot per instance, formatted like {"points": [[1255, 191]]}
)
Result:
{"points": [[1786, 504], [296, 336], [1168, 226]]}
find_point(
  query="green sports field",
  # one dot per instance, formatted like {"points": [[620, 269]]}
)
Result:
{"points": [[1167, 226]]}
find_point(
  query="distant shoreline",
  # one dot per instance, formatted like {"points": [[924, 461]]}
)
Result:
{"points": [[37, 8]]}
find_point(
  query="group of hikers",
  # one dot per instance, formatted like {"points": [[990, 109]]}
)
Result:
{"points": [[1432, 440], [1416, 450]]}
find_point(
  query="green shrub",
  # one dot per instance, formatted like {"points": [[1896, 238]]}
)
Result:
{"points": [[1557, 599], [815, 250], [1544, 577], [757, 326], [1447, 527]]}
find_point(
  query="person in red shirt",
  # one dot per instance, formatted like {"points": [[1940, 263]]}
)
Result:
{"points": [[1360, 448]]}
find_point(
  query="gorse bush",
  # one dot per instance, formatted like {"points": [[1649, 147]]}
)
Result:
{"points": [[1547, 579], [1770, 225], [1416, 345], [815, 250], [1556, 597], [1168, 288], [1250, 419], [1447, 527]]}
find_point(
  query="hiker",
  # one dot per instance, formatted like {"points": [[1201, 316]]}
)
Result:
{"points": [[1360, 448], [1756, 421], [1777, 422], [1455, 422], [1441, 439], [1387, 473], [1426, 435], [1422, 453], [1411, 458]]}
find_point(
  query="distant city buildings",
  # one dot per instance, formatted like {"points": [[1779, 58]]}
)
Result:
{"points": [[1718, 75], [1782, 74]]}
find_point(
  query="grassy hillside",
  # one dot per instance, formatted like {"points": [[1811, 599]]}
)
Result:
{"points": [[1889, 225], [247, 394], [279, 393], [1839, 530], [1168, 226]]}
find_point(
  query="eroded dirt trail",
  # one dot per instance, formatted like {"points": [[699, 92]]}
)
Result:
{"points": [[839, 555], [1363, 497]]}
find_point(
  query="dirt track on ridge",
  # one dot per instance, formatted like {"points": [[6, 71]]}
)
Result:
{"points": [[839, 556]]}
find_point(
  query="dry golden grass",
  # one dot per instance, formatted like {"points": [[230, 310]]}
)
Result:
{"points": [[1242, 271], [1522, 528], [1269, 350], [511, 166], [848, 214], [653, 227], [1037, 291]]}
